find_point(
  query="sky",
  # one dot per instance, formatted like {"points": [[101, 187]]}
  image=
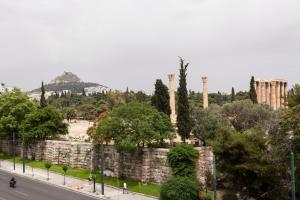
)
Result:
{"points": [[131, 43]]}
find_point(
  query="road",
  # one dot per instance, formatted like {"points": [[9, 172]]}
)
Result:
{"points": [[33, 190]]}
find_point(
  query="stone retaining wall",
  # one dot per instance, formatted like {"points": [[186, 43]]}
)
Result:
{"points": [[148, 166]]}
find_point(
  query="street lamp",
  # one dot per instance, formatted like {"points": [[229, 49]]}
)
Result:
{"points": [[23, 152], [102, 167], [214, 177], [14, 150], [293, 181]]}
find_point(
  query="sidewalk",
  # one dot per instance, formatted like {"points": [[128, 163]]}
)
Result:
{"points": [[73, 184]]}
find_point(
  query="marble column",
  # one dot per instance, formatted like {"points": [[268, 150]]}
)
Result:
{"points": [[282, 95], [263, 91], [277, 94], [267, 85], [205, 92], [286, 94], [273, 94], [172, 98], [258, 91]]}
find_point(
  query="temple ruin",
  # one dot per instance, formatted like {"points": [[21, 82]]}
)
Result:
{"points": [[273, 93]]}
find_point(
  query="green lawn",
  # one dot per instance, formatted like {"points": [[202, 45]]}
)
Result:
{"points": [[135, 186]]}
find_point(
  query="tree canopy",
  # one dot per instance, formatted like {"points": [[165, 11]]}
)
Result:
{"points": [[135, 125], [160, 99]]}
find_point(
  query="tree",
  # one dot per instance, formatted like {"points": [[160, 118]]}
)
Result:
{"points": [[207, 122], [48, 165], [14, 106], [160, 99], [83, 92], [244, 115], [232, 94], [43, 102], [182, 159], [141, 96], [252, 92], [184, 123], [135, 125], [65, 169], [294, 96], [44, 123], [70, 114], [179, 188], [244, 166]]}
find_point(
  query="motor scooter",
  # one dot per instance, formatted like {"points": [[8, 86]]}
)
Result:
{"points": [[12, 183]]}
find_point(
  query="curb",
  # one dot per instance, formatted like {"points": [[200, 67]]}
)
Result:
{"points": [[55, 185]]}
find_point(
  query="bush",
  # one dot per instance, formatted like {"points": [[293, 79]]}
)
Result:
{"points": [[206, 197], [182, 160], [229, 197], [179, 188]]}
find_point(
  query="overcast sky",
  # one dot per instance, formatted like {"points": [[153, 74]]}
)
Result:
{"points": [[122, 43]]}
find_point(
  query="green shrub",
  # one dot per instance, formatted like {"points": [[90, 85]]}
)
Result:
{"points": [[229, 197], [182, 160], [206, 197], [180, 188]]}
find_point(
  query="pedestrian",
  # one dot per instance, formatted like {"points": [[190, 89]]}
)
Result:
{"points": [[90, 179], [125, 190]]}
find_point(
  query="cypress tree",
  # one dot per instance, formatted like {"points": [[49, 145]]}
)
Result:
{"points": [[83, 92], [160, 99], [43, 99], [252, 92], [184, 123], [232, 94]]}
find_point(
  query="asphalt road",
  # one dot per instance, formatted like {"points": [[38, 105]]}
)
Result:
{"points": [[33, 190]]}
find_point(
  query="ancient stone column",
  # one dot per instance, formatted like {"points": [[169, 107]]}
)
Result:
{"points": [[258, 91], [172, 98], [205, 92], [273, 94], [277, 94], [267, 85], [286, 94], [282, 95], [263, 92]]}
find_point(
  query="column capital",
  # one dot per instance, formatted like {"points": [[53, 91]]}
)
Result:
{"points": [[171, 77]]}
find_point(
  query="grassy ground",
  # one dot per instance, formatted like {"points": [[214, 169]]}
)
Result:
{"points": [[135, 186]]}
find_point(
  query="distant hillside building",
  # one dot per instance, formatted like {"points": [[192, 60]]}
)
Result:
{"points": [[66, 77]]}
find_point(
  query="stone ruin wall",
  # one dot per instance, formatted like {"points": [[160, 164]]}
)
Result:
{"points": [[149, 166]]}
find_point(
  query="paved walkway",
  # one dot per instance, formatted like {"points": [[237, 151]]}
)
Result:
{"points": [[74, 184]]}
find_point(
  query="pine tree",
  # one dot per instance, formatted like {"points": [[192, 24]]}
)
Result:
{"points": [[232, 94], [43, 99], [184, 123], [160, 99], [252, 92], [83, 92]]}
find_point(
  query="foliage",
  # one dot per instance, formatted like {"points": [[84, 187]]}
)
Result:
{"points": [[245, 115], [65, 168], [184, 122], [160, 99], [182, 159], [241, 157], [134, 125], [14, 106], [43, 102], [294, 96], [232, 94], [207, 122], [48, 165], [44, 123], [252, 92], [206, 197], [70, 114], [179, 188], [229, 197]]}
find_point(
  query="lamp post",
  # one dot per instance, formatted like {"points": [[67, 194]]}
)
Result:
{"points": [[14, 150], [102, 168], [23, 152], [214, 177], [293, 176]]}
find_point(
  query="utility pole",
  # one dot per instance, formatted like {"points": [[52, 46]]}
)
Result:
{"points": [[102, 168], [214, 177], [14, 150], [293, 176]]}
